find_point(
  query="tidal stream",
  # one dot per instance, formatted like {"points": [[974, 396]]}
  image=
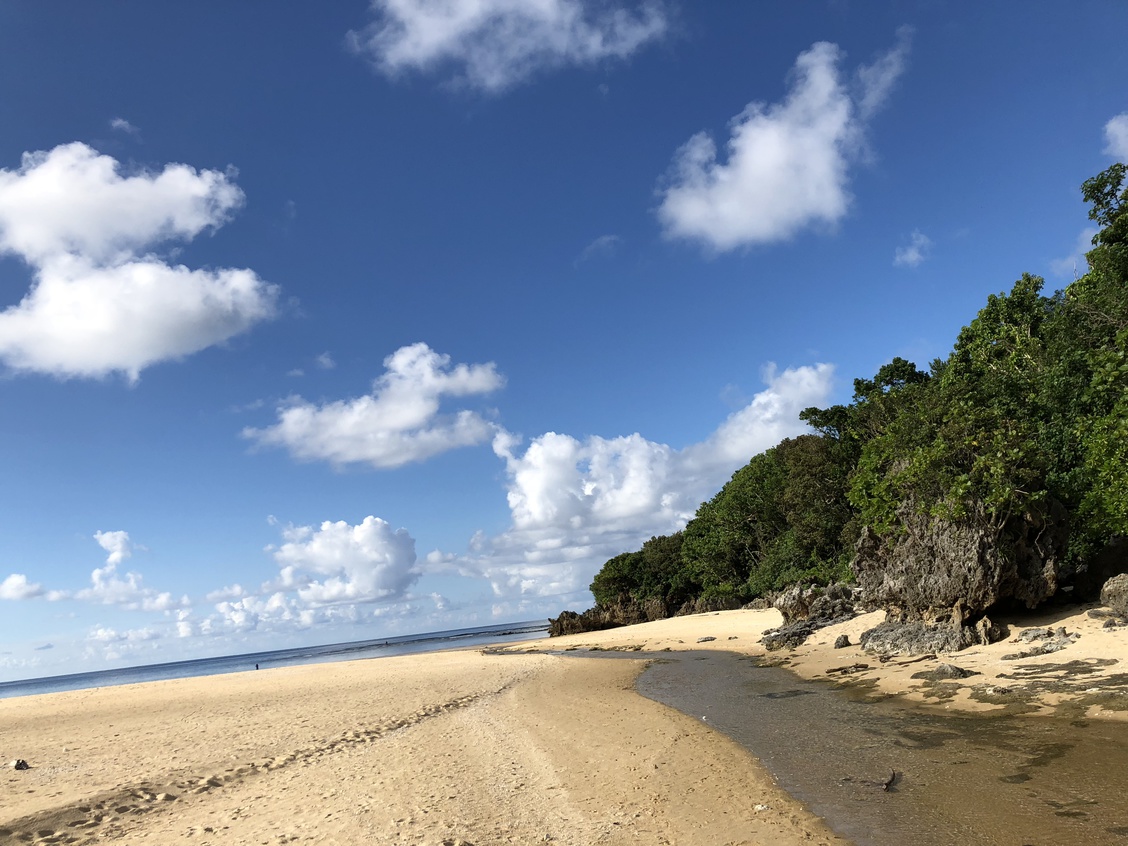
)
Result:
{"points": [[960, 779]]}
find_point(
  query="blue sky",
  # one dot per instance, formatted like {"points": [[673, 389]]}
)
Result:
{"points": [[335, 321]]}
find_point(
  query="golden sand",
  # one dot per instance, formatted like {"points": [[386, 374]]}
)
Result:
{"points": [[469, 747]]}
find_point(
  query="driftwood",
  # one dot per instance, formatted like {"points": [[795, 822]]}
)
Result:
{"points": [[849, 668], [886, 785]]}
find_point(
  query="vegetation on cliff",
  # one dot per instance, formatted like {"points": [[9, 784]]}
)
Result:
{"points": [[998, 476]]}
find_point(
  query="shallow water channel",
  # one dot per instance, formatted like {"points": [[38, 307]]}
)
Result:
{"points": [[961, 779]]}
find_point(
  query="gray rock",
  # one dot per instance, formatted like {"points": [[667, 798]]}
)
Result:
{"points": [[705, 639], [1052, 642], [1031, 635], [956, 570], [1114, 594], [945, 671], [20, 764], [806, 610], [918, 638], [842, 641]]}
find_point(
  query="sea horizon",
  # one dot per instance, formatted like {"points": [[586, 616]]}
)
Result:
{"points": [[384, 647]]}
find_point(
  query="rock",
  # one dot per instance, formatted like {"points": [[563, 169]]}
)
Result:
{"points": [[956, 570], [945, 671], [1052, 641], [611, 616], [842, 641], [797, 603], [1031, 635], [705, 639], [806, 610], [20, 764], [919, 638], [1114, 594]]}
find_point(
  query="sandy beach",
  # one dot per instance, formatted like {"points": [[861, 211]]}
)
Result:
{"points": [[475, 747], [443, 748]]}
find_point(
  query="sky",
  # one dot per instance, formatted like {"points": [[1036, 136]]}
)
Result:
{"points": [[336, 321]]}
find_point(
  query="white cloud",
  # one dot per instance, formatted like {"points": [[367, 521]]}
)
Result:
{"points": [[339, 562], [107, 587], [101, 301], [185, 625], [122, 125], [1075, 264], [398, 423], [576, 503], [1116, 137], [325, 361], [105, 634], [16, 586], [494, 44], [915, 252], [787, 164], [117, 544], [235, 591]]}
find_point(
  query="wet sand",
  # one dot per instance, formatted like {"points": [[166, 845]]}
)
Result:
{"points": [[960, 777], [1028, 750]]}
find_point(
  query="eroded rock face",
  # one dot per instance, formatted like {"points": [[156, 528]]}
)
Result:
{"points": [[806, 610], [940, 570]]}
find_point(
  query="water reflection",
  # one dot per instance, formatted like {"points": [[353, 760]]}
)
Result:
{"points": [[961, 779]]}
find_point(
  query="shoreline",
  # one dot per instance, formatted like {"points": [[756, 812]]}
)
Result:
{"points": [[507, 744], [443, 748], [1084, 679]]}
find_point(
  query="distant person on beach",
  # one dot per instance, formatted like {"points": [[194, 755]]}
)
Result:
{"points": [[256, 666]]}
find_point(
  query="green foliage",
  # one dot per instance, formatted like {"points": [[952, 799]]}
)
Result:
{"points": [[1105, 441], [654, 572], [726, 537]]}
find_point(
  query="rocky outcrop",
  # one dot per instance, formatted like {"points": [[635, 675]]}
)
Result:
{"points": [[806, 610], [607, 617], [953, 571]]}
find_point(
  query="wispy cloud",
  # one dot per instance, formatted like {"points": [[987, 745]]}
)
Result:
{"points": [[601, 247], [787, 163], [1075, 264], [122, 125], [1116, 137], [915, 252], [494, 44]]}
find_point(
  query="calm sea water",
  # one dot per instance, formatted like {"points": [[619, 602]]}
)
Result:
{"points": [[379, 648]]}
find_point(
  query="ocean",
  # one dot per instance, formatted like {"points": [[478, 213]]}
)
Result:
{"points": [[356, 650]]}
